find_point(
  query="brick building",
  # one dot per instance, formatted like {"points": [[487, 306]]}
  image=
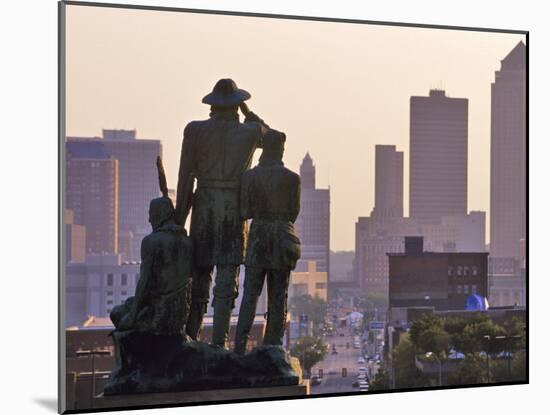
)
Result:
{"points": [[443, 280]]}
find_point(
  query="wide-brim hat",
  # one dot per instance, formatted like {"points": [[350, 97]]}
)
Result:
{"points": [[226, 94]]}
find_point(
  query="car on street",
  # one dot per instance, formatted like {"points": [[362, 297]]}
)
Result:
{"points": [[361, 360], [362, 369], [314, 380]]}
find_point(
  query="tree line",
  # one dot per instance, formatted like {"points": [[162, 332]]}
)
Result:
{"points": [[470, 350]]}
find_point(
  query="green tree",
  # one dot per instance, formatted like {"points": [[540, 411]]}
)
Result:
{"points": [[381, 381], [309, 350], [519, 367], [455, 327], [472, 370], [481, 336], [313, 307], [407, 375], [514, 369], [419, 327], [435, 340], [516, 328]]}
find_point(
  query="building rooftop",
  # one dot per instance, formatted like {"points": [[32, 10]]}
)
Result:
{"points": [[437, 92], [87, 149], [124, 135], [516, 58], [427, 253]]}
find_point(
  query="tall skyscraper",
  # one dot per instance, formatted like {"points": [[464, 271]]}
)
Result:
{"points": [[384, 230], [92, 193], [307, 173], [438, 157], [138, 184], [313, 223], [388, 189], [508, 155]]}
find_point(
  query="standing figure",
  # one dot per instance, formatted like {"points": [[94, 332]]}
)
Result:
{"points": [[270, 196], [215, 153]]}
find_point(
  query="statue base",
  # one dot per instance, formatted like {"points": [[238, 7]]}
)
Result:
{"points": [[205, 396], [147, 363]]}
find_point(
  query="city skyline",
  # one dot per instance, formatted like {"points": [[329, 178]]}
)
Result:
{"points": [[106, 89]]}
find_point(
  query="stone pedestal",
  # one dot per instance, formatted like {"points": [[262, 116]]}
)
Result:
{"points": [[148, 363], [203, 396]]}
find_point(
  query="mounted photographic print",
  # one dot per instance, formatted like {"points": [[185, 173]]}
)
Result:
{"points": [[259, 207]]}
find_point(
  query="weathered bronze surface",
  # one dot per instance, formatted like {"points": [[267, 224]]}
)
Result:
{"points": [[156, 331], [214, 155], [161, 301], [270, 196]]}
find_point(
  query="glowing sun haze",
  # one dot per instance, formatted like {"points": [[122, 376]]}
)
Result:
{"points": [[335, 89]]}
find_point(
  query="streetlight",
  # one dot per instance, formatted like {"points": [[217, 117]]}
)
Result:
{"points": [[488, 338], [93, 353]]}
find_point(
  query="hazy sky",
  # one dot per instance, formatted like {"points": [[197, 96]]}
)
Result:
{"points": [[335, 89]]}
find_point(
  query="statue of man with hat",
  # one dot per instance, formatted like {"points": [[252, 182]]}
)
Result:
{"points": [[214, 154]]}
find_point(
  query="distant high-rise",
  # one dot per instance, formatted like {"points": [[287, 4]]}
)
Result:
{"points": [[388, 189], [458, 233], [313, 223], [92, 193], [98, 284], [438, 157], [374, 238], [508, 155], [138, 184], [383, 231], [307, 173], [75, 243]]}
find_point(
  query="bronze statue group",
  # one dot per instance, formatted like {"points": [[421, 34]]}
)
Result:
{"points": [[218, 186]]}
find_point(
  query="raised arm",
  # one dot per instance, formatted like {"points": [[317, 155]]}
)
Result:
{"points": [[250, 116], [185, 177]]}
